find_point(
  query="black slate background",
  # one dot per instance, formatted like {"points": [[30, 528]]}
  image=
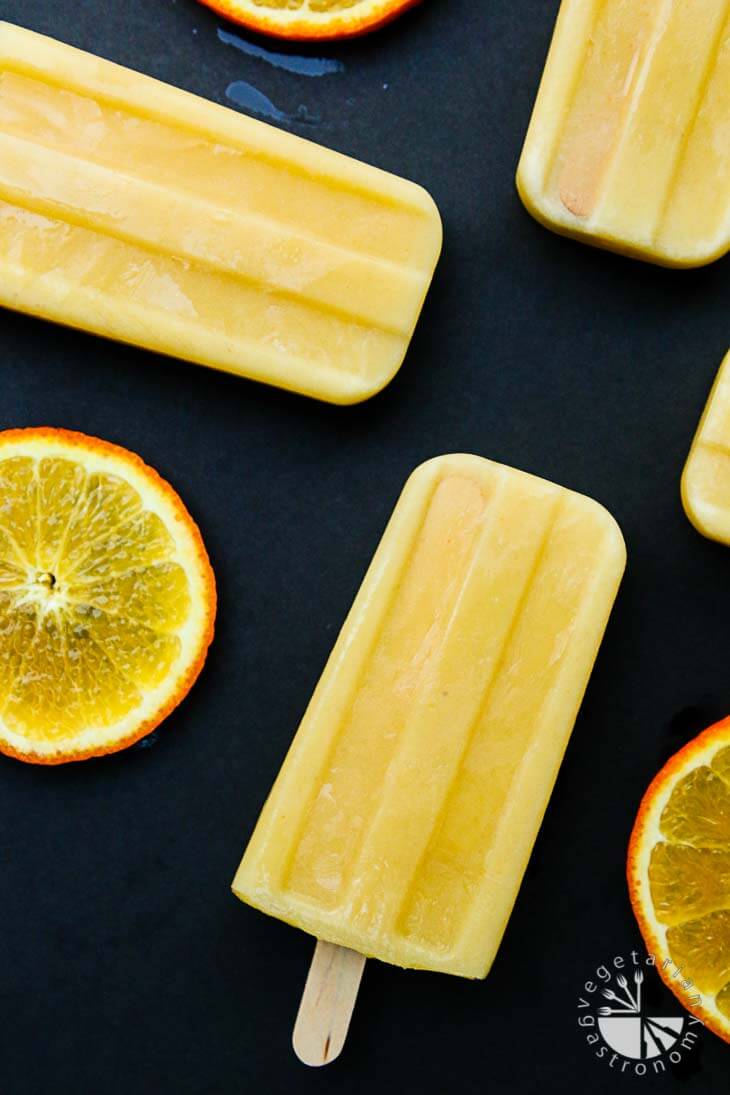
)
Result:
{"points": [[126, 967]]}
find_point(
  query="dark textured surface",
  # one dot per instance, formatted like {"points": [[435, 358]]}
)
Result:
{"points": [[126, 967]]}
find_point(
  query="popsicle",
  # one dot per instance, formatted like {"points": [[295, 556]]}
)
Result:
{"points": [[404, 815], [141, 212], [706, 478], [629, 143]]}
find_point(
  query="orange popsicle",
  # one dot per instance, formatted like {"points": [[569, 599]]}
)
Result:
{"points": [[134, 210], [404, 815], [629, 143], [706, 478]]}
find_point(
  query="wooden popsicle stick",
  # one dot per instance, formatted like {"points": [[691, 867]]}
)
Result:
{"points": [[327, 1004]]}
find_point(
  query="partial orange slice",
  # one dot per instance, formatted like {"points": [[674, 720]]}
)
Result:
{"points": [[679, 875], [107, 598], [306, 20]]}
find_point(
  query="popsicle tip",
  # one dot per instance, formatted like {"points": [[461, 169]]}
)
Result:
{"points": [[314, 1057]]}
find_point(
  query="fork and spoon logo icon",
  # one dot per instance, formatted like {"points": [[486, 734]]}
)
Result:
{"points": [[631, 1032], [656, 1036]]}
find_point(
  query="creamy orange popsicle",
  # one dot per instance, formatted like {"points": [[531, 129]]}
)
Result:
{"points": [[141, 212], [706, 478], [404, 815], [629, 143]]}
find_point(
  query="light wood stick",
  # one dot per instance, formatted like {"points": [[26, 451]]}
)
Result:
{"points": [[327, 1004]]}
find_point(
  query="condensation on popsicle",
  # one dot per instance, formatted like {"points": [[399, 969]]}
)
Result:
{"points": [[404, 815], [706, 478], [138, 211], [629, 143]]}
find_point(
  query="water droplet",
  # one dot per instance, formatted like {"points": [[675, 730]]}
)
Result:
{"points": [[300, 66], [250, 98]]}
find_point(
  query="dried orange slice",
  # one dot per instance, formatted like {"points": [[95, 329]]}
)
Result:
{"points": [[306, 20], [679, 875], [107, 598]]}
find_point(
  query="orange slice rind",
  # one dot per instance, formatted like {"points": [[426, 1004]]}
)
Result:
{"points": [[107, 597], [311, 20], [679, 875]]}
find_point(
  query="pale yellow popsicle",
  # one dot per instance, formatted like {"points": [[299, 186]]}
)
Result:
{"points": [[629, 143], [405, 812], [141, 212], [706, 479]]}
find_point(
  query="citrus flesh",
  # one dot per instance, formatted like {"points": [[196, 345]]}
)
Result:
{"points": [[107, 598], [311, 19], [679, 875]]}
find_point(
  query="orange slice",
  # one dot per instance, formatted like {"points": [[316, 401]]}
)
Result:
{"points": [[679, 875], [107, 598], [307, 20]]}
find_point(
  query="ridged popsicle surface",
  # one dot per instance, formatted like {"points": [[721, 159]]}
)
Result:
{"points": [[706, 478], [403, 818], [629, 143], [138, 211]]}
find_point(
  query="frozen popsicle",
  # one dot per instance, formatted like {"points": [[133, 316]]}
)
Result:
{"points": [[706, 479], [404, 815], [141, 212], [629, 143]]}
